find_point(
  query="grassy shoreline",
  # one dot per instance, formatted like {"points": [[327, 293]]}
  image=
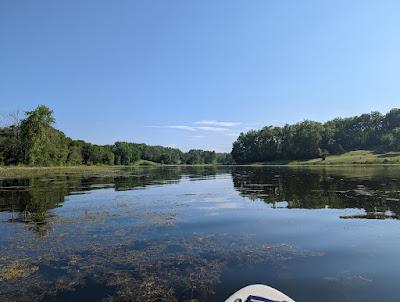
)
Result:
{"points": [[353, 158], [28, 171]]}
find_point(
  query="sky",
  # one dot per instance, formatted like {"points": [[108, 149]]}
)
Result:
{"points": [[194, 74]]}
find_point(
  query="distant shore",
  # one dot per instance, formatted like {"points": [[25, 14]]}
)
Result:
{"points": [[353, 158], [358, 157], [26, 171]]}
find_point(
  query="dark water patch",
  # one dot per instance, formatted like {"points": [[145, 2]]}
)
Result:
{"points": [[175, 249], [52, 271], [90, 290], [209, 255], [140, 245]]}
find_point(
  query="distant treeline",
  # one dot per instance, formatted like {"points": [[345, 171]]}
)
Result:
{"points": [[309, 139], [34, 141]]}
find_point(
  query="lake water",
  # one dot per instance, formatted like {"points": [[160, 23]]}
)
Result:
{"points": [[201, 233]]}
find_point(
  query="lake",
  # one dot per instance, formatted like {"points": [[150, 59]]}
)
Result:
{"points": [[201, 233]]}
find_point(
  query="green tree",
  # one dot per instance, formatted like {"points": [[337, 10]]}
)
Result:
{"points": [[126, 153], [224, 159], [42, 144], [246, 149], [270, 143], [209, 157], [11, 150], [75, 153], [108, 155], [193, 157], [392, 119], [306, 140], [393, 139]]}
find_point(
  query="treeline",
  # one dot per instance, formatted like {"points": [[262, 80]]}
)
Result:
{"points": [[309, 139], [34, 141]]}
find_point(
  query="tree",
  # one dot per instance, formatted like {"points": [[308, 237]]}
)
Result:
{"points": [[224, 159], [11, 151], [270, 143], [108, 157], [194, 157], [392, 119], [393, 139], [209, 157], [75, 153], [126, 153], [58, 147], [324, 153], [245, 148], [306, 140], [35, 141], [42, 145]]}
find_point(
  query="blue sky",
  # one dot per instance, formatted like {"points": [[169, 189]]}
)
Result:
{"points": [[193, 74]]}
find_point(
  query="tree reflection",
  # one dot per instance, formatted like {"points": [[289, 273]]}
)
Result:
{"points": [[321, 188], [29, 200]]}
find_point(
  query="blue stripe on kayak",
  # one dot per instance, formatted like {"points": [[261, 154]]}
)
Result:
{"points": [[258, 299]]}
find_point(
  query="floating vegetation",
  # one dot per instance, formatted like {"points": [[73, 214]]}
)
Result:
{"points": [[372, 215], [17, 269], [349, 278], [175, 269]]}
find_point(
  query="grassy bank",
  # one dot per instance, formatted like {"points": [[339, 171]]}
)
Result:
{"points": [[359, 157], [146, 163], [27, 171], [355, 158], [24, 171]]}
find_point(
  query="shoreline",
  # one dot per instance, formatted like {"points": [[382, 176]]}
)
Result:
{"points": [[20, 171]]}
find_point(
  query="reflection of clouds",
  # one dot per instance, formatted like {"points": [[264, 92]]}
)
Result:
{"points": [[212, 213], [280, 204], [230, 205], [215, 203]]}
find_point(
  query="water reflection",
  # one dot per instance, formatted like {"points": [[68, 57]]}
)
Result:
{"points": [[29, 199], [373, 190], [173, 233], [376, 190]]}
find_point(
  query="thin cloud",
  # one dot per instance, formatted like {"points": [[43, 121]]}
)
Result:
{"points": [[192, 128], [212, 129], [232, 134], [218, 123], [180, 127], [222, 127]]}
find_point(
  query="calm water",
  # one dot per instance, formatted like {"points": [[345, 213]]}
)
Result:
{"points": [[176, 234]]}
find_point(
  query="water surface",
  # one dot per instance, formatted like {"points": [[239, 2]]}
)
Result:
{"points": [[201, 233]]}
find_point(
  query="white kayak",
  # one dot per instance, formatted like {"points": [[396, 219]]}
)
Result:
{"points": [[259, 293]]}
